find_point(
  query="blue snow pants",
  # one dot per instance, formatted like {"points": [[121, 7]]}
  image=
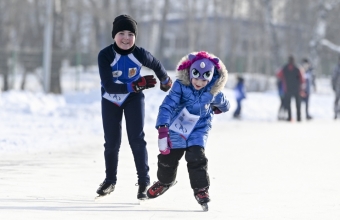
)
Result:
{"points": [[134, 112]]}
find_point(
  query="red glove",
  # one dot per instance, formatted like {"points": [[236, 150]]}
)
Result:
{"points": [[167, 84], [216, 110], [144, 82], [164, 143]]}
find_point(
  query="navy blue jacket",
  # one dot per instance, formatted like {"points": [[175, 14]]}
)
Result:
{"points": [[117, 71]]}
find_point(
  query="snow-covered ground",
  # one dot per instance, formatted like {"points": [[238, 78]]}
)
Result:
{"points": [[51, 150]]}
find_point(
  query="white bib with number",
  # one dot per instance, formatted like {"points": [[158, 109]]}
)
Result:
{"points": [[117, 99], [184, 123]]}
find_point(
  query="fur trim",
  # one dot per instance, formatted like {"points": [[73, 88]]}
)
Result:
{"points": [[199, 56], [184, 77]]}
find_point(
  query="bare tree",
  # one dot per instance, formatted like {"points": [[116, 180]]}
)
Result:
{"points": [[191, 16], [153, 40], [202, 31], [248, 35], [222, 9], [272, 33], [162, 25], [324, 7], [330, 45]]}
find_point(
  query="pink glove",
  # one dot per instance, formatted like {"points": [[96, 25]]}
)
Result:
{"points": [[164, 143], [216, 110]]}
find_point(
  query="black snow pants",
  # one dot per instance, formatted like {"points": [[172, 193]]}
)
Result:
{"points": [[197, 165]]}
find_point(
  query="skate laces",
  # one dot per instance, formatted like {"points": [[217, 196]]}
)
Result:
{"points": [[157, 185], [202, 193], [101, 185], [158, 188]]}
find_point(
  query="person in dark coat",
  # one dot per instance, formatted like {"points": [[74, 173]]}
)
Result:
{"points": [[336, 88], [122, 88], [292, 81]]}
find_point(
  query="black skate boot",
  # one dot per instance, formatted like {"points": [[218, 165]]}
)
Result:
{"points": [[141, 194], [202, 197], [105, 189], [158, 189]]}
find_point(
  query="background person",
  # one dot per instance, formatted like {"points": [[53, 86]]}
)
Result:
{"points": [[292, 81]]}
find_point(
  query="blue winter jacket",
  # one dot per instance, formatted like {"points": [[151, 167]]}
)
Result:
{"points": [[197, 102]]}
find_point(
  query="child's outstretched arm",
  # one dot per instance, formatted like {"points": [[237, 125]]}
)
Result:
{"points": [[148, 60], [220, 103], [164, 142], [144, 82], [169, 104], [166, 84], [165, 113]]}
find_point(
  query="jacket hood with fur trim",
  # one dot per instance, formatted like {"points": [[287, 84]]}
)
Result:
{"points": [[184, 77]]}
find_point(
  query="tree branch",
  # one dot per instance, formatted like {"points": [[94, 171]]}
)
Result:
{"points": [[330, 45]]}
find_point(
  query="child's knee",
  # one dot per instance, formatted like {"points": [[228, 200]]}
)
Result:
{"points": [[195, 154]]}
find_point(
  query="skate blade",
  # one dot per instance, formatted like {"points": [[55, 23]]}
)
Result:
{"points": [[143, 200], [100, 197], [205, 207]]}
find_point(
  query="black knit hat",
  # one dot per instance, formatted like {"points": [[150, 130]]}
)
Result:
{"points": [[124, 22]]}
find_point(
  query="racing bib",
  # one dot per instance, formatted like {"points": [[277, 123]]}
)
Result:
{"points": [[117, 99], [184, 123]]}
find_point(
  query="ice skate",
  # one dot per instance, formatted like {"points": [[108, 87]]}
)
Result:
{"points": [[104, 190], [141, 194], [158, 189], [202, 197]]}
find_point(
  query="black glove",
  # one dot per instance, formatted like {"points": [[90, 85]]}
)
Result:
{"points": [[166, 86], [145, 82]]}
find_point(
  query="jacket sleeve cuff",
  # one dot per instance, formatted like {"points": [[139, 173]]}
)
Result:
{"points": [[165, 81]]}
